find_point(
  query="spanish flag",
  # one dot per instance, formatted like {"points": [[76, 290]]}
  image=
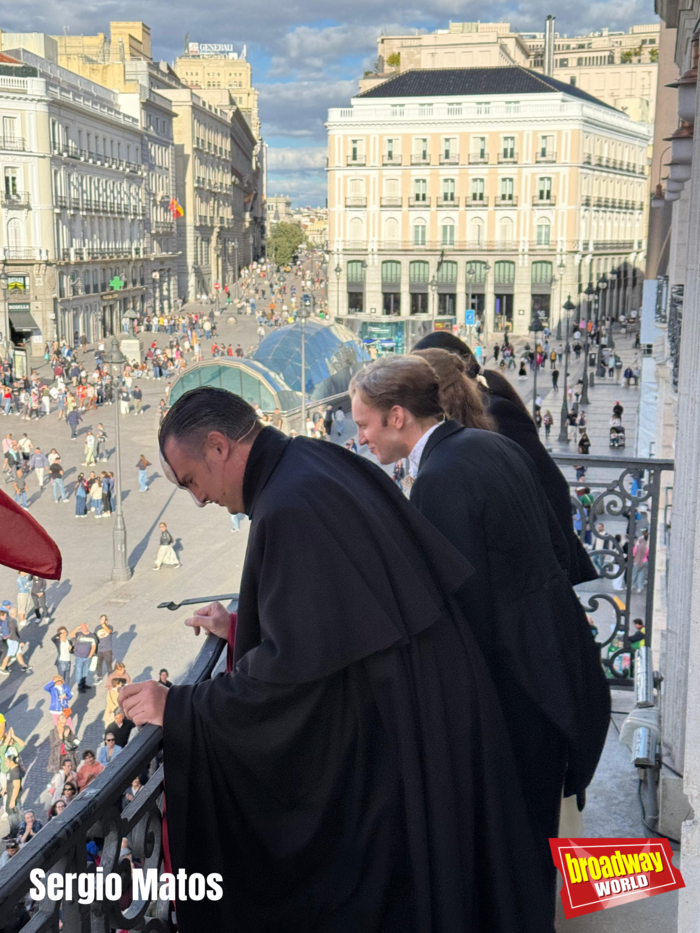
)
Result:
{"points": [[175, 208]]}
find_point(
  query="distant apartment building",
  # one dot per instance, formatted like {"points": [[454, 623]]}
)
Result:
{"points": [[494, 190], [619, 68], [278, 209], [72, 236], [206, 65]]}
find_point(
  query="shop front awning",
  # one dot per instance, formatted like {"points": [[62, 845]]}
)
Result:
{"points": [[23, 321]]}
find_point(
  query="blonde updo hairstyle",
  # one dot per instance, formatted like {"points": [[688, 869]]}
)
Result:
{"points": [[460, 396]]}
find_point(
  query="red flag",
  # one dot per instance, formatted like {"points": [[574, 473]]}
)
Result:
{"points": [[24, 545]]}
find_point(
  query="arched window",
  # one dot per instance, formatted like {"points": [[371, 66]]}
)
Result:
{"points": [[419, 233], [391, 272], [448, 233], [14, 234], [544, 231], [356, 271], [391, 229], [476, 231], [505, 230], [357, 230], [542, 273], [504, 272], [447, 273], [419, 273]]}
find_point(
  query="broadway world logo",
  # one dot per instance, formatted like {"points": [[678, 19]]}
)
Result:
{"points": [[602, 873]]}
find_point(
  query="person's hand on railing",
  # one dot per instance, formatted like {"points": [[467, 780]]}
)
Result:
{"points": [[212, 618], [144, 702]]}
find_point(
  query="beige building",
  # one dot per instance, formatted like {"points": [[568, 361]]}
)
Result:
{"points": [[218, 66], [494, 190], [72, 220], [207, 230], [619, 68]]}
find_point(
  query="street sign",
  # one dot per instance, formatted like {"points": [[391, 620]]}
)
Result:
{"points": [[217, 286], [116, 283], [470, 317]]}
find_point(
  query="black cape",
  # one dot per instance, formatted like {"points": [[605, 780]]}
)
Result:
{"points": [[353, 774], [481, 491], [514, 422]]}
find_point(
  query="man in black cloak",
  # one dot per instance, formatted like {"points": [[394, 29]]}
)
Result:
{"points": [[481, 491], [353, 773], [513, 420]]}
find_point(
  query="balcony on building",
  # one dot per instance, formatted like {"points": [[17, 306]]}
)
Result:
{"points": [[547, 200], [15, 199], [356, 159], [449, 158], [392, 159], [476, 200], [546, 156], [419, 202], [448, 202], [391, 202], [421, 158], [507, 157], [356, 201], [478, 158], [506, 201]]}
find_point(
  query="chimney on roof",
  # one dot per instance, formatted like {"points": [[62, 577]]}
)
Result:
{"points": [[549, 25]]}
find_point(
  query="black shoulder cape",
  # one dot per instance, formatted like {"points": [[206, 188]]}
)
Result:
{"points": [[481, 491], [353, 774], [514, 422]]}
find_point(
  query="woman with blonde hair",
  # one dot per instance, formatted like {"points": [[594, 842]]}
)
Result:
{"points": [[460, 396]]}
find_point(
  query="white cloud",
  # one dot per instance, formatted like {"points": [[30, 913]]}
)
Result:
{"points": [[300, 108], [287, 159]]}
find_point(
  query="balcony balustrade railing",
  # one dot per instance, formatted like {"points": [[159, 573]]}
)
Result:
{"points": [[626, 498], [97, 813], [16, 199], [391, 201]]}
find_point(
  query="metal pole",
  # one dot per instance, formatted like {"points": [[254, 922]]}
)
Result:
{"points": [[121, 572], [600, 317], [584, 394], [534, 389], [303, 376], [561, 291], [563, 436]]}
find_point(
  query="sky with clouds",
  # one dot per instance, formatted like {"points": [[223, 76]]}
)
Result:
{"points": [[306, 55]]}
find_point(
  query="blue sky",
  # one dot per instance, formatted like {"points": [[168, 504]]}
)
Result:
{"points": [[305, 60]]}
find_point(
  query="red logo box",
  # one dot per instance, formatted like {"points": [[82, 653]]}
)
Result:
{"points": [[602, 873]]}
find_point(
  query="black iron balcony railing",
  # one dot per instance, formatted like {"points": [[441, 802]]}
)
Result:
{"points": [[391, 201], [626, 498], [95, 814], [16, 199]]}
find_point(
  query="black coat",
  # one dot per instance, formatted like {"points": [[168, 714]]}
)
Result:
{"points": [[513, 421], [481, 491], [353, 774]]}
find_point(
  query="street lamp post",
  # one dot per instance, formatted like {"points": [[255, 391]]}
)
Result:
{"points": [[433, 289], [562, 269], [471, 272], [600, 316], [535, 326], [563, 434], [121, 572], [338, 272], [5, 337], [590, 294], [305, 310], [614, 301]]}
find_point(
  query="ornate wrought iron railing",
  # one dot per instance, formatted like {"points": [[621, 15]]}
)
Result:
{"points": [[625, 496], [98, 813]]}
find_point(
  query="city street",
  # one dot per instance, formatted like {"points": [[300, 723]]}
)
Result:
{"points": [[211, 554]]}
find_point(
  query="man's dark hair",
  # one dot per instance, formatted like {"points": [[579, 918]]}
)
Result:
{"points": [[444, 340], [206, 409]]}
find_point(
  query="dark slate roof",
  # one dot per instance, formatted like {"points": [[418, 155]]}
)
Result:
{"points": [[464, 82]]}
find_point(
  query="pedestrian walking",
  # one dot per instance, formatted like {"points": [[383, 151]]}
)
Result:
{"points": [[166, 552], [640, 562], [101, 443], [555, 380], [89, 449], [339, 419], [547, 421], [73, 419], [328, 420], [124, 397], [142, 466], [137, 396], [105, 648], [24, 595], [39, 462], [40, 609], [20, 487], [571, 426]]}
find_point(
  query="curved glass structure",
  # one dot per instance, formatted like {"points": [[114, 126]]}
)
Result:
{"points": [[247, 378], [333, 355]]}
